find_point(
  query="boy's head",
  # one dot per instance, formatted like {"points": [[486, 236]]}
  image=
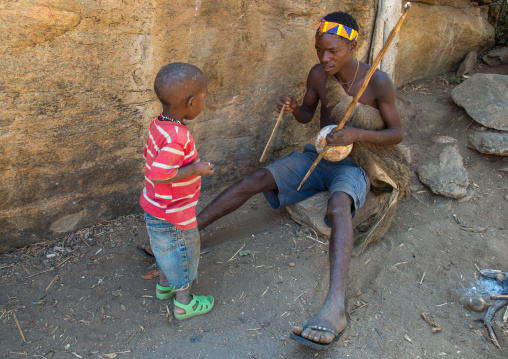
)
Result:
{"points": [[181, 88], [336, 36]]}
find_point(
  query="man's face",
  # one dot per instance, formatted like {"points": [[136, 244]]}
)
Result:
{"points": [[333, 52]]}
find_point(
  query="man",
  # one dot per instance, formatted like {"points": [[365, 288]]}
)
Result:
{"points": [[336, 45]]}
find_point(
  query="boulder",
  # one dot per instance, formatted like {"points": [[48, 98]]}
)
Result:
{"points": [[444, 173], [489, 141], [76, 97], [434, 38], [468, 64], [312, 211], [496, 57], [485, 99]]}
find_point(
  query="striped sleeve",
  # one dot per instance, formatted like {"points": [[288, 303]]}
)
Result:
{"points": [[166, 163]]}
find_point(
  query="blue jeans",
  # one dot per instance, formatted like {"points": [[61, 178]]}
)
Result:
{"points": [[344, 176], [176, 251]]}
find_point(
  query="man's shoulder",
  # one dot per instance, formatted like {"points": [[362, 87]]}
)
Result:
{"points": [[317, 72], [380, 79]]}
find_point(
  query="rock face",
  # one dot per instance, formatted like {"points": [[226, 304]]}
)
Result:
{"points": [[489, 142], [437, 35], [77, 96], [444, 174], [485, 99]]}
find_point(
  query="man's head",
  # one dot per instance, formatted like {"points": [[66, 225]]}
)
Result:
{"points": [[181, 87], [336, 37]]}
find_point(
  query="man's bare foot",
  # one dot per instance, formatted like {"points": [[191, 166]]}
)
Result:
{"points": [[334, 321]]}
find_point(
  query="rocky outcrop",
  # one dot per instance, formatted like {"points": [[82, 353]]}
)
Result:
{"points": [[77, 92], [437, 35], [485, 99]]}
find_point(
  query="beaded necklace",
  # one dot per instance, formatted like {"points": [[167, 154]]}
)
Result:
{"points": [[161, 117]]}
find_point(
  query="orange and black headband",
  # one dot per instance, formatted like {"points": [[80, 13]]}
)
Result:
{"points": [[336, 28]]}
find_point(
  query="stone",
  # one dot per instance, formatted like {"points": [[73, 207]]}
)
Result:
{"points": [[496, 57], [485, 99], [444, 174], [443, 139], [434, 38], [489, 142], [68, 223], [468, 64], [311, 211]]}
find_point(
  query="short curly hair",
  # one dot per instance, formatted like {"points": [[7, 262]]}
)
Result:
{"points": [[342, 18], [176, 76]]}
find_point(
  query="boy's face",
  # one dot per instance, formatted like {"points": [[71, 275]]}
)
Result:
{"points": [[199, 101], [333, 52]]}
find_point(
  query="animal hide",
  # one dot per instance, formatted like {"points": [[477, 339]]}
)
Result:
{"points": [[386, 165]]}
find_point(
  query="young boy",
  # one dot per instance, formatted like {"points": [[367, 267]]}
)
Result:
{"points": [[172, 184]]}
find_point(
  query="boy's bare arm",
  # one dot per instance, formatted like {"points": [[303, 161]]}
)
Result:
{"points": [[196, 168], [385, 95]]}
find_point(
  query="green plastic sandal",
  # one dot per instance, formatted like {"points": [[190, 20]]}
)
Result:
{"points": [[168, 292], [205, 304]]}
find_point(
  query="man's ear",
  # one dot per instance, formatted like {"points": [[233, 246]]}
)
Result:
{"points": [[352, 45], [190, 102]]}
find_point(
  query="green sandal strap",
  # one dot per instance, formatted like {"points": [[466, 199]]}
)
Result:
{"points": [[165, 292], [204, 305]]}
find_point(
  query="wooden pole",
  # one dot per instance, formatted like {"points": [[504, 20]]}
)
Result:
{"points": [[265, 152], [362, 89]]}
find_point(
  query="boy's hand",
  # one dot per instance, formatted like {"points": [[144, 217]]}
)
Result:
{"points": [[290, 102], [344, 137], [203, 169]]}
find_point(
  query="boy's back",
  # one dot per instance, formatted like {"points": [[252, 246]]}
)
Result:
{"points": [[170, 146]]}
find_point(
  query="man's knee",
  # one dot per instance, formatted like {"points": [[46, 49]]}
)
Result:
{"points": [[339, 204], [258, 181]]}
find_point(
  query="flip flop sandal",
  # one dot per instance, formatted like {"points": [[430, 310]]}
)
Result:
{"points": [[167, 292], [313, 344], [205, 304], [142, 250]]}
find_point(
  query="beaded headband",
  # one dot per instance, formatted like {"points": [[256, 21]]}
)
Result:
{"points": [[336, 28]]}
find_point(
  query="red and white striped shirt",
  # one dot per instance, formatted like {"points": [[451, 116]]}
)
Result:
{"points": [[170, 146]]}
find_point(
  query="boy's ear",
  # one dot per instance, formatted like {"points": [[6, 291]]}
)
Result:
{"points": [[190, 102]]}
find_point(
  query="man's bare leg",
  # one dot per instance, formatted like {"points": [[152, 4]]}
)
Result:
{"points": [[333, 312], [236, 195]]}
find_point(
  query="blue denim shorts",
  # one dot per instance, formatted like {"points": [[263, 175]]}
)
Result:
{"points": [[344, 176], [176, 251]]}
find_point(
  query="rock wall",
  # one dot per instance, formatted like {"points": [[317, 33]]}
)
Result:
{"points": [[76, 92], [438, 34]]}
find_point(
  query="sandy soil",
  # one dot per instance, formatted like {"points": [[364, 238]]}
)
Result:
{"points": [[89, 301]]}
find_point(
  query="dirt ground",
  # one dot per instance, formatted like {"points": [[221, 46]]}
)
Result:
{"points": [[89, 301]]}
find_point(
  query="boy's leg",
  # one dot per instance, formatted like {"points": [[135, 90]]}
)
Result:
{"points": [[236, 195]]}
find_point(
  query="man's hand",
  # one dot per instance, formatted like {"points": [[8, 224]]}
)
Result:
{"points": [[344, 137], [290, 102], [203, 169]]}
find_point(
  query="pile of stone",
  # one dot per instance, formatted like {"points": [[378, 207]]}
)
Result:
{"points": [[484, 97]]}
